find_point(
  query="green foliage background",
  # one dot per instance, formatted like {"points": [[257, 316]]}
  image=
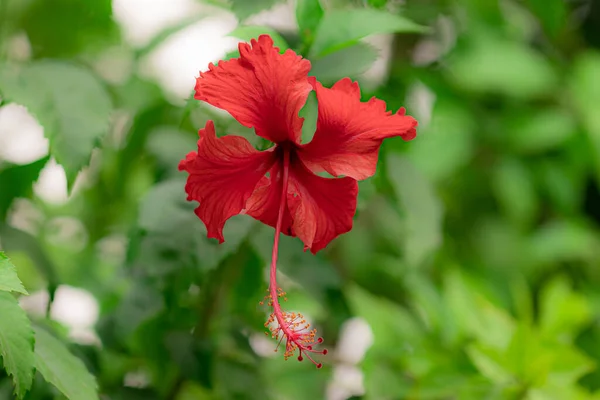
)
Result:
{"points": [[475, 256]]}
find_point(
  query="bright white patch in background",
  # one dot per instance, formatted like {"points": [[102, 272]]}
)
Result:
{"points": [[433, 47], [75, 308], [36, 303], [347, 382], [420, 103], [22, 138], [141, 20], [112, 248], [378, 71], [26, 216], [263, 345], [52, 184], [355, 339], [176, 63], [115, 65], [281, 17], [137, 379], [66, 232], [18, 47]]}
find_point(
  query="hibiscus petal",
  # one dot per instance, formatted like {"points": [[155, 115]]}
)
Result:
{"points": [[321, 208], [223, 175], [349, 132], [262, 89], [263, 205]]}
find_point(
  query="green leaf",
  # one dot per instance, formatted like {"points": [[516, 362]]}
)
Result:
{"points": [[446, 143], [171, 223], [9, 281], [68, 101], [562, 311], [421, 205], [308, 15], [245, 8], [585, 89], [310, 113], [552, 14], [340, 28], [490, 362], [19, 178], [541, 130], [62, 369], [245, 33], [16, 343], [489, 63], [169, 145], [562, 241], [513, 185], [350, 61]]}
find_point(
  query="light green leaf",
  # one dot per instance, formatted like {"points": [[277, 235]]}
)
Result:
{"points": [[513, 185], [561, 241], [341, 28], [489, 63], [9, 281], [474, 314], [421, 205], [446, 143], [62, 369], [245, 8], [585, 89], [245, 33], [527, 357], [490, 362], [310, 113], [16, 343], [562, 311], [308, 15], [541, 130], [68, 101], [350, 61]]}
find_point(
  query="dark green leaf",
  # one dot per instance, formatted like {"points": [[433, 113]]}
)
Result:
{"points": [[19, 178], [62, 369], [552, 14], [340, 28], [16, 343]]}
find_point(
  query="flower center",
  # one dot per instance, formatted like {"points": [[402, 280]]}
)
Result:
{"points": [[291, 327]]}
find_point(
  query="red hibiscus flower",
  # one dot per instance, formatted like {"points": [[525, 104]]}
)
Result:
{"points": [[265, 90]]}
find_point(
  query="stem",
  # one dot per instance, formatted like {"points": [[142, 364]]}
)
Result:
{"points": [[282, 204], [293, 330], [3, 28]]}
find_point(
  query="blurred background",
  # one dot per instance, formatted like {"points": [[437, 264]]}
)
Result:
{"points": [[472, 271]]}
